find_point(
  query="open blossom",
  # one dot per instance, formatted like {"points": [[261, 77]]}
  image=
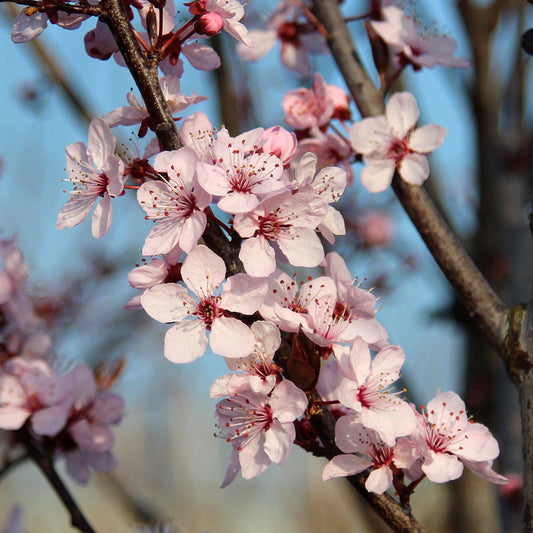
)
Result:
{"points": [[30, 388], [288, 221], [260, 427], [286, 301], [203, 273], [257, 371], [366, 389], [87, 439], [176, 204], [136, 113], [352, 437], [448, 440], [241, 173], [392, 142], [95, 172], [412, 46], [297, 39], [27, 28], [307, 108], [329, 183]]}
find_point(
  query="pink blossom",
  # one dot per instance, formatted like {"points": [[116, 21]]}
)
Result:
{"points": [[448, 440], [374, 228], [203, 273], [177, 204], [257, 371], [329, 183], [352, 437], [240, 174], [306, 108], [136, 113], [286, 301], [366, 390], [287, 220], [390, 142], [412, 46], [330, 149], [95, 172], [27, 28], [197, 133], [345, 315], [259, 427], [297, 39], [30, 388], [99, 42], [156, 272]]}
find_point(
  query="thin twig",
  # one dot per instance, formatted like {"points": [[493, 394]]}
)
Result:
{"points": [[45, 463]]}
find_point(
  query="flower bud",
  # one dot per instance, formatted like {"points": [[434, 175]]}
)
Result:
{"points": [[280, 142], [209, 24]]}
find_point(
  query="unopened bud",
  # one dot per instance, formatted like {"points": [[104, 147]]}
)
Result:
{"points": [[209, 24], [151, 26], [197, 7]]}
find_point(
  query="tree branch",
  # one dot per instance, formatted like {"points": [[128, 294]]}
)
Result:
{"points": [[45, 464]]}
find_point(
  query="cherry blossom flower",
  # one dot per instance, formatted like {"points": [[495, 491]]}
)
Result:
{"points": [[240, 174], [352, 437], [297, 39], [366, 390], [95, 173], [307, 108], [345, 315], [99, 42], [177, 204], [287, 220], [390, 142], [15, 304], [286, 301], [156, 272], [330, 149], [448, 440], [329, 183], [87, 439], [30, 388], [258, 372], [374, 228], [203, 273], [136, 113], [411, 46], [259, 427], [26, 28]]}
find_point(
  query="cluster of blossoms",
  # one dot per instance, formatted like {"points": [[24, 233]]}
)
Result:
{"points": [[273, 193], [72, 412]]}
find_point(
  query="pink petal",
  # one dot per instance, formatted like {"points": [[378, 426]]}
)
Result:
{"points": [[414, 169], [278, 441], [427, 138], [168, 302], [203, 271], [377, 175], [231, 338], [345, 465], [402, 113], [379, 480], [186, 341], [258, 257], [243, 294], [102, 217]]}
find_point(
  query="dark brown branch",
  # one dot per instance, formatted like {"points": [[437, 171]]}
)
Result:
{"points": [[114, 15], [45, 464]]}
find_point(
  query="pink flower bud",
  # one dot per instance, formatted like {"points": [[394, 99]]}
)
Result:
{"points": [[280, 142], [209, 24]]}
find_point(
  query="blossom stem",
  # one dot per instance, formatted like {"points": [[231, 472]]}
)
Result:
{"points": [[44, 462], [86, 9], [358, 17]]}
